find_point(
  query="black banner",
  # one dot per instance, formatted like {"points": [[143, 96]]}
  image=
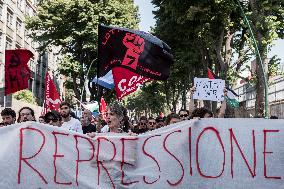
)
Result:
{"points": [[138, 51]]}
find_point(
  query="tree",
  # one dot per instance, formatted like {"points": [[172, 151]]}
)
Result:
{"points": [[216, 35], [72, 26], [25, 95]]}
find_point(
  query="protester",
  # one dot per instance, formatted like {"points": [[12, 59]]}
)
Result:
{"points": [[183, 114], [53, 118], [160, 122], [8, 116], [26, 114], [273, 117], [86, 122], [142, 125], [172, 118], [201, 113], [41, 119], [114, 119], [69, 122], [204, 112], [151, 124]]}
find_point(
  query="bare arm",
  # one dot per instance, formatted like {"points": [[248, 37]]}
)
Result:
{"points": [[191, 102], [223, 105]]}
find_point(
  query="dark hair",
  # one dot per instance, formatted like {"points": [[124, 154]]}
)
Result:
{"points": [[151, 118], [184, 110], [65, 104], [7, 112], [143, 118], [52, 113], [200, 112], [273, 117], [160, 119], [32, 111], [41, 117], [170, 117]]}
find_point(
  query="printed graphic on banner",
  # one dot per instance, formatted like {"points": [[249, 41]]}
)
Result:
{"points": [[137, 51], [209, 89], [52, 97], [17, 72], [126, 81]]}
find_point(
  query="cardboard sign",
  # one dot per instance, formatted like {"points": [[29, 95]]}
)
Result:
{"points": [[209, 89], [198, 154]]}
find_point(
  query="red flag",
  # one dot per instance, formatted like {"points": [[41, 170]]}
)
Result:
{"points": [[126, 81], [103, 107], [211, 75], [17, 72], [52, 98]]}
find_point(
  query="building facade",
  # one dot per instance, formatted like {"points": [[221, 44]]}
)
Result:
{"points": [[14, 35]]}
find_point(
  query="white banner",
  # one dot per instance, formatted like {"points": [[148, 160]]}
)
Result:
{"points": [[198, 154], [209, 89]]}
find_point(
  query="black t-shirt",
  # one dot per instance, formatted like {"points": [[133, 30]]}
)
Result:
{"points": [[88, 129]]}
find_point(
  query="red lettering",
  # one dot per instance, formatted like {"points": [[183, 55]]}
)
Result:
{"points": [[197, 154], [153, 158], [78, 154], [164, 145], [190, 150], [55, 156], [101, 162], [232, 137], [24, 159], [266, 152], [123, 162]]}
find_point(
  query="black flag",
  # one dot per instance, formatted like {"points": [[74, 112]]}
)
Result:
{"points": [[137, 51]]}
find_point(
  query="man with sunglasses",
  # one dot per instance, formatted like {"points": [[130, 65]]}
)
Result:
{"points": [[183, 114], [53, 118], [142, 125], [151, 124]]}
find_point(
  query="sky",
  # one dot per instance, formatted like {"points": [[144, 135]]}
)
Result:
{"points": [[147, 20]]}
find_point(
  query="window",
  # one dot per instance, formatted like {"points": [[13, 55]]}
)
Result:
{"points": [[20, 4], [1, 10], [18, 46], [9, 18], [9, 44], [19, 24]]}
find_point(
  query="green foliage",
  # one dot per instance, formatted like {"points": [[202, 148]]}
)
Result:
{"points": [[72, 25], [25, 95]]}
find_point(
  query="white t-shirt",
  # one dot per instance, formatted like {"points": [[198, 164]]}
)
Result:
{"points": [[105, 129], [73, 125]]}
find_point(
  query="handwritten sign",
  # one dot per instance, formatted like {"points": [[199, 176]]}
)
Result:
{"points": [[196, 154], [209, 89]]}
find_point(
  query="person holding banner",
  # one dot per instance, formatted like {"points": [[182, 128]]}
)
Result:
{"points": [[69, 122], [8, 116], [26, 114], [53, 118]]}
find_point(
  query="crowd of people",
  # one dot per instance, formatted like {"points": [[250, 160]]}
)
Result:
{"points": [[114, 120]]}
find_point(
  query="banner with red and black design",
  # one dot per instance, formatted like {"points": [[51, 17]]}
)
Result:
{"points": [[137, 51], [17, 72]]}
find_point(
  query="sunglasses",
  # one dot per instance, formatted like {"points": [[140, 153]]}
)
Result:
{"points": [[183, 115], [151, 123], [142, 123], [53, 119]]}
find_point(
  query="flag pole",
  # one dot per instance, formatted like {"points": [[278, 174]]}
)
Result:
{"points": [[83, 88], [259, 57]]}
